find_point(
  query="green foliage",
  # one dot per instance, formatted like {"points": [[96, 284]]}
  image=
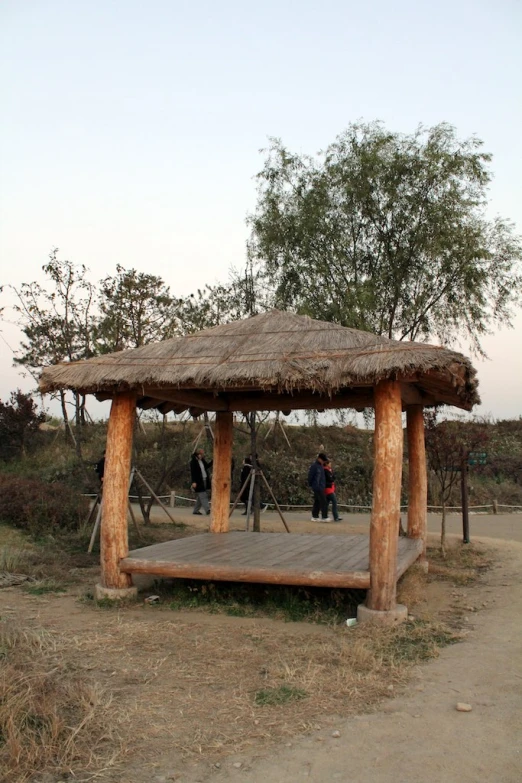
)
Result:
{"points": [[19, 423], [448, 445], [40, 508], [56, 319], [413, 642], [43, 587], [291, 604], [282, 694], [388, 233], [163, 448], [246, 293], [135, 308]]}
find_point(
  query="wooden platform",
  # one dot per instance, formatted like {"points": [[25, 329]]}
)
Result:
{"points": [[267, 558]]}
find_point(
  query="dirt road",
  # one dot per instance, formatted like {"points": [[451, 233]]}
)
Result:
{"points": [[420, 736], [502, 526]]}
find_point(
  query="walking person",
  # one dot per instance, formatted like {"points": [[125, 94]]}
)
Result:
{"points": [[200, 478], [329, 491], [317, 483]]}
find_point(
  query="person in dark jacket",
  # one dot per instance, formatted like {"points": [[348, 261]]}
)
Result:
{"points": [[200, 478], [100, 468], [329, 491], [317, 483]]}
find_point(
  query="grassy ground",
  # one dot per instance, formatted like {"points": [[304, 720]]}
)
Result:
{"points": [[210, 670]]}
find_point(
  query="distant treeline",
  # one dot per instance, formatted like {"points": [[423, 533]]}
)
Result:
{"points": [[162, 451]]}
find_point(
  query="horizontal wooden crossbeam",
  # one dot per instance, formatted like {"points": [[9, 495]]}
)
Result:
{"points": [[245, 402]]}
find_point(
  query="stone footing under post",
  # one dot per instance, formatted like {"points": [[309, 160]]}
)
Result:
{"points": [[392, 617], [115, 593]]}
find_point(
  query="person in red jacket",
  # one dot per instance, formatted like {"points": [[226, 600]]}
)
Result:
{"points": [[329, 490]]}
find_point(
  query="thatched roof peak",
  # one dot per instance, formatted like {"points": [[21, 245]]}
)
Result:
{"points": [[273, 352]]}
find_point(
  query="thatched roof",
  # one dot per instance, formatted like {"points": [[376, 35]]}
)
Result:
{"points": [[277, 356]]}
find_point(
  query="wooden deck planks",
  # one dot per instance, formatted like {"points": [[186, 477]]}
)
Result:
{"points": [[271, 558]]}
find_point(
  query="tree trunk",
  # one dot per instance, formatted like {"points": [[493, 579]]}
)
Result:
{"points": [[443, 529], [66, 423], [77, 427], [114, 536], [208, 430], [83, 411], [144, 507], [221, 473], [384, 527]]}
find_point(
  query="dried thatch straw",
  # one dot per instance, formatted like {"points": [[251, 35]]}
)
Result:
{"points": [[275, 352]]}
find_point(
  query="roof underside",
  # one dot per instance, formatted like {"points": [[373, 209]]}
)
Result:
{"points": [[272, 361]]}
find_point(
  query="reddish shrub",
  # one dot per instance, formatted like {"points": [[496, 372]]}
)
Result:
{"points": [[40, 508]]}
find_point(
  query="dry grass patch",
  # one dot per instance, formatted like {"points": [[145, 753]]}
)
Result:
{"points": [[411, 588], [51, 719], [46, 566], [226, 685], [461, 564]]}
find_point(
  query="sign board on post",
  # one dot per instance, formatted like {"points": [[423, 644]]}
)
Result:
{"points": [[477, 458]]}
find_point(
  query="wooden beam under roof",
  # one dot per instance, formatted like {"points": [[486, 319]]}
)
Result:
{"points": [[164, 406], [300, 401], [245, 402], [360, 397], [194, 398], [412, 395]]}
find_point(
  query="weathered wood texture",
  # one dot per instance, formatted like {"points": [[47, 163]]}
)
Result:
{"points": [[113, 534], [417, 476], [222, 472], [247, 400], [269, 558], [384, 526]]}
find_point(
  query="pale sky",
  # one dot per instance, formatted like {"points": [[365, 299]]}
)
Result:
{"points": [[131, 131]]}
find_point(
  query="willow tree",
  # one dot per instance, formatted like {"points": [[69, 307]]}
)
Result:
{"points": [[389, 233]]}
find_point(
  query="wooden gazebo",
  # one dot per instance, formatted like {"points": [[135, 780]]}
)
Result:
{"points": [[282, 362]]}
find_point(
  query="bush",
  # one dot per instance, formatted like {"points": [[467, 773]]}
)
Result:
{"points": [[40, 508]]}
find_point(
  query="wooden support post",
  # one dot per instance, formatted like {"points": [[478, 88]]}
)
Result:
{"points": [[384, 527], [418, 477], [114, 536], [221, 472]]}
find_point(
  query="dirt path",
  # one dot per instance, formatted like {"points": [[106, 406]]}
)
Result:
{"points": [[163, 664], [420, 736], [502, 526]]}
